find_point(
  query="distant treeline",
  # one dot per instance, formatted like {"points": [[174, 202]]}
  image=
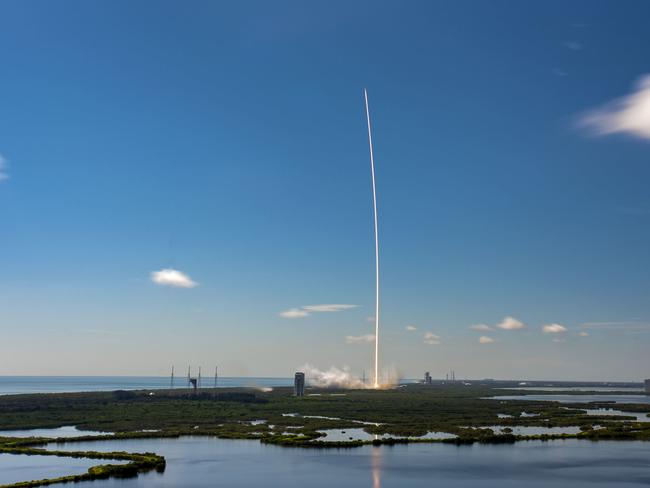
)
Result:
{"points": [[217, 396]]}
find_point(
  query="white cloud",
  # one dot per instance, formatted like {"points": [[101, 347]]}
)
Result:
{"points": [[362, 339], [482, 327], [370, 319], [510, 323], [431, 338], [583, 334], [3, 169], [554, 329], [485, 340], [573, 45], [410, 328], [294, 313], [558, 340], [628, 115], [172, 277], [331, 307]]}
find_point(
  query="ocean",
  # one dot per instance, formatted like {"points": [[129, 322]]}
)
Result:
{"points": [[13, 385]]}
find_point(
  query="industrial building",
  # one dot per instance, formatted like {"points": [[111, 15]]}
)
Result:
{"points": [[427, 378], [647, 387], [299, 384]]}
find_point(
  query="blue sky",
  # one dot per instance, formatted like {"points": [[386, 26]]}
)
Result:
{"points": [[227, 141]]}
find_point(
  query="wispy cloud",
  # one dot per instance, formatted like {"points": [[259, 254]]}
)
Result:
{"points": [[485, 340], [627, 115], [622, 326], [431, 338], [362, 339], [306, 310], [330, 307], [573, 45], [3, 169], [583, 334], [103, 332], [554, 329], [172, 277], [510, 323], [481, 327], [410, 328], [294, 313]]}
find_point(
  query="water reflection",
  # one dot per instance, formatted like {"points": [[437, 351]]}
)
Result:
{"points": [[376, 463]]}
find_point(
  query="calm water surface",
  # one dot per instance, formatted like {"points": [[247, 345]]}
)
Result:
{"points": [[358, 434], [578, 398], [639, 416], [14, 468], [66, 431], [626, 389], [209, 462]]}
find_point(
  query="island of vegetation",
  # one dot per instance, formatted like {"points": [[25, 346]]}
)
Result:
{"points": [[460, 413]]}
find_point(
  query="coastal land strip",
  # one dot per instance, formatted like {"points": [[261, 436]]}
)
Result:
{"points": [[456, 413]]}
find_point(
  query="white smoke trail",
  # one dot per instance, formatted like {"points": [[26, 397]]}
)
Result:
{"points": [[374, 204]]}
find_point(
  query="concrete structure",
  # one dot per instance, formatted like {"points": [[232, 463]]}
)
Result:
{"points": [[299, 384], [647, 387], [427, 378]]}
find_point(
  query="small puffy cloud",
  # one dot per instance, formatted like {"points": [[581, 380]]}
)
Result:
{"points": [[554, 329], [431, 338], [583, 334], [410, 328], [3, 169], [481, 327], [332, 307], [627, 115], [362, 339], [172, 277], [510, 323], [294, 313], [485, 340]]}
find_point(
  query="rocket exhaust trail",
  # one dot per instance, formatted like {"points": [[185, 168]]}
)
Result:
{"points": [[374, 201]]}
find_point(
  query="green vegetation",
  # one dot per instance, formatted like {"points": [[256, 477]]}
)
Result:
{"points": [[405, 413]]}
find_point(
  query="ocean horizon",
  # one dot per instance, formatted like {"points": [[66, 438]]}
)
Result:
{"points": [[16, 385]]}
